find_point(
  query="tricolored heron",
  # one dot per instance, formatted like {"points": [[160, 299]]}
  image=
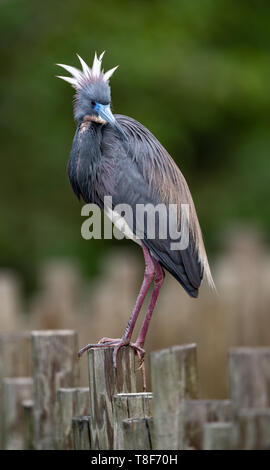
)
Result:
{"points": [[114, 155]]}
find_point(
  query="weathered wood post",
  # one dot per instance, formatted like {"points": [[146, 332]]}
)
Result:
{"points": [[55, 365], [81, 432], [104, 382], [137, 433], [15, 390], [125, 406], [15, 354], [249, 374], [15, 361], [174, 378], [254, 429], [28, 424], [70, 402], [198, 412], [10, 306], [219, 436], [82, 401]]}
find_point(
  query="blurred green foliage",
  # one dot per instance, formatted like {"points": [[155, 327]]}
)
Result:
{"points": [[196, 73]]}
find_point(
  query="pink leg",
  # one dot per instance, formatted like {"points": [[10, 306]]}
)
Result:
{"points": [[148, 277], [125, 340], [159, 277]]}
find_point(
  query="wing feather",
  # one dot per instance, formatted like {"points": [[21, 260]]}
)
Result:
{"points": [[146, 173]]}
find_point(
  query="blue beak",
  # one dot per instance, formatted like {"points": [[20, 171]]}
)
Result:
{"points": [[105, 113]]}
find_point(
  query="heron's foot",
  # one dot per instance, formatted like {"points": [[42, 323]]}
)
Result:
{"points": [[108, 340], [140, 353], [115, 343], [139, 350], [103, 342]]}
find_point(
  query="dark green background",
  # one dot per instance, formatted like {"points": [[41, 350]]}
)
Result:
{"points": [[196, 73]]}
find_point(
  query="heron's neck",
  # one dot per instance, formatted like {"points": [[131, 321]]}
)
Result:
{"points": [[85, 160], [89, 135]]}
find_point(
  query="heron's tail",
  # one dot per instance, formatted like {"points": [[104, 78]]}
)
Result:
{"points": [[208, 274], [203, 258]]}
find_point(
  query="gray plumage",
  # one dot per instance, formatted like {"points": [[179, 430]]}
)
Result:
{"points": [[127, 162]]}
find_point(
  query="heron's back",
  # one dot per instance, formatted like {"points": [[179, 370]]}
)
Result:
{"points": [[145, 173]]}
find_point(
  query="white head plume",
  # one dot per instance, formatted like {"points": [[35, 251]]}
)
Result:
{"points": [[81, 77]]}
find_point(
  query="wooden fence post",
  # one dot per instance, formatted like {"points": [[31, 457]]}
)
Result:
{"points": [[129, 405], [15, 390], [69, 402], [28, 424], [81, 432], [137, 433], [55, 365], [219, 436], [15, 361], [174, 378], [82, 402], [254, 429], [198, 412], [15, 354], [249, 373], [104, 382]]}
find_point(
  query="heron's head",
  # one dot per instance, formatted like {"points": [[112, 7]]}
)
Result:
{"points": [[93, 94]]}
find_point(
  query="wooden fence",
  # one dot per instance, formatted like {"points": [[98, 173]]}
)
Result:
{"points": [[44, 408]]}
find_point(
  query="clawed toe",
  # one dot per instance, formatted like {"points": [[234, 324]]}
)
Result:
{"points": [[109, 340], [138, 349], [100, 344], [117, 343]]}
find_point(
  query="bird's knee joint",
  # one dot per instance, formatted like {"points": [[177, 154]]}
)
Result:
{"points": [[159, 282], [149, 272], [159, 278]]}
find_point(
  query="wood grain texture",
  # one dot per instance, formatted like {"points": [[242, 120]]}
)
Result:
{"points": [[249, 375], [219, 436], [129, 405], [15, 355], [198, 412], [137, 433], [15, 361], [174, 378], [55, 365], [104, 382], [69, 402], [28, 424], [254, 429], [81, 432], [15, 390]]}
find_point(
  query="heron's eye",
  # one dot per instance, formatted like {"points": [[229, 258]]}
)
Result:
{"points": [[93, 103]]}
